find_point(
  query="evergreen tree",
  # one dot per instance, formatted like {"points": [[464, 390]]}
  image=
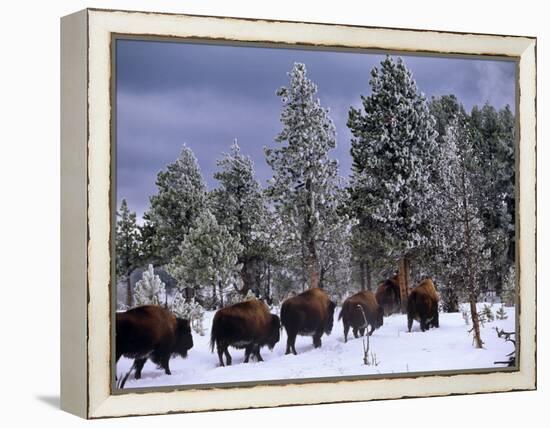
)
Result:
{"points": [[444, 110], [305, 178], [458, 228], [508, 177], [127, 246], [394, 150], [180, 199], [239, 206], [150, 290], [493, 140], [191, 310], [207, 257]]}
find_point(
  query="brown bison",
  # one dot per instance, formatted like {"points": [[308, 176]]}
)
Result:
{"points": [[308, 314], [247, 325], [151, 332], [359, 311], [388, 295], [422, 305]]}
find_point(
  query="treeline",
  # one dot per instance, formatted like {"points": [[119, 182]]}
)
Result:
{"points": [[431, 193]]}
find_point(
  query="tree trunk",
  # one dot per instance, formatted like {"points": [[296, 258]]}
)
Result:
{"points": [[129, 294], [369, 276], [362, 275], [403, 280], [268, 285], [221, 293], [214, 298], [472, 294], [475, 322], [312, 265], [247, 277]]}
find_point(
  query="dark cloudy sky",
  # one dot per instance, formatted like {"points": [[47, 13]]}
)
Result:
{"points": [[205, 96]]}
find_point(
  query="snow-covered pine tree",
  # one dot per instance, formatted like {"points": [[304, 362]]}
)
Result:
{"points": [[180, 199], [493, 140], [305, 178], [207, 257], [127, 247], [239, 205], [335, 248], [150, 290], [446, 110], [508, 293], [458, 229], [191, 310], [394, 150]]}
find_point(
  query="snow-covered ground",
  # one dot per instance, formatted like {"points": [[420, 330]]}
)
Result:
{"points": [[397, 351]]}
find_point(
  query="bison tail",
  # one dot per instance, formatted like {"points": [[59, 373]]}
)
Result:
{"points": [[283, 315], [213, 334]]}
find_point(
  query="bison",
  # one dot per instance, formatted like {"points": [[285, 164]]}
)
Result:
{"points": [[151, 332], [360, 311], [247, 325], [388, 295], [310, 313], [422, 305]]}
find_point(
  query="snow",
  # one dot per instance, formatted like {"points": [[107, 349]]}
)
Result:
{"points": [[447, 348]]}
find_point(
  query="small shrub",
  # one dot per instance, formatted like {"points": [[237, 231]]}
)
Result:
{"points": [[501, 313], [190, 310]]}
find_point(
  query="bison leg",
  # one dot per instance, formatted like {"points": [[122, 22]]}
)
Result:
{"points": [[346, 331], [164, 360], [362, 332], [435, 321], [227, 355], [257, 353], [220, 353], [355, 333], [317, 340], [423, 324], [139, 363], [248, 350], [409, 323], [290, 343]]}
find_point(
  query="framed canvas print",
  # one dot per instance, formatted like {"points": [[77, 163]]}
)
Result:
{"points": [[263, 213]]}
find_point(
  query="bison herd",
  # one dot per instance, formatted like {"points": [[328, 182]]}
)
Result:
{"points": [[152, 332]]}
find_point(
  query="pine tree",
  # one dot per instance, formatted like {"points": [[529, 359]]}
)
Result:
{"points": [[493, 141], [206, 257], [305, 178], [191, 310], [150, 290], [239, 205], [335, 247], [127, 246], [180, 199], [458, 228], [393, 151], [444, 110]]}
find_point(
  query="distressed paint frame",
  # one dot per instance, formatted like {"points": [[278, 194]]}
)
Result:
{"points": [[86, 269]]}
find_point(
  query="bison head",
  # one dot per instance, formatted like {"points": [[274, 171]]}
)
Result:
{"points": [[329, 321], [274, 332], [184, 338]]}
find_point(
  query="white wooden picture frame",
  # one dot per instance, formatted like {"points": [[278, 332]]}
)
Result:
{"points": [[87, 212]]}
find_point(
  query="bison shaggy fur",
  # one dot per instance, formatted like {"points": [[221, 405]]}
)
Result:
{"points": [[247, 325], [388, 295], [310, 313], [360, 311], [151, 332], [422, 305]]}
